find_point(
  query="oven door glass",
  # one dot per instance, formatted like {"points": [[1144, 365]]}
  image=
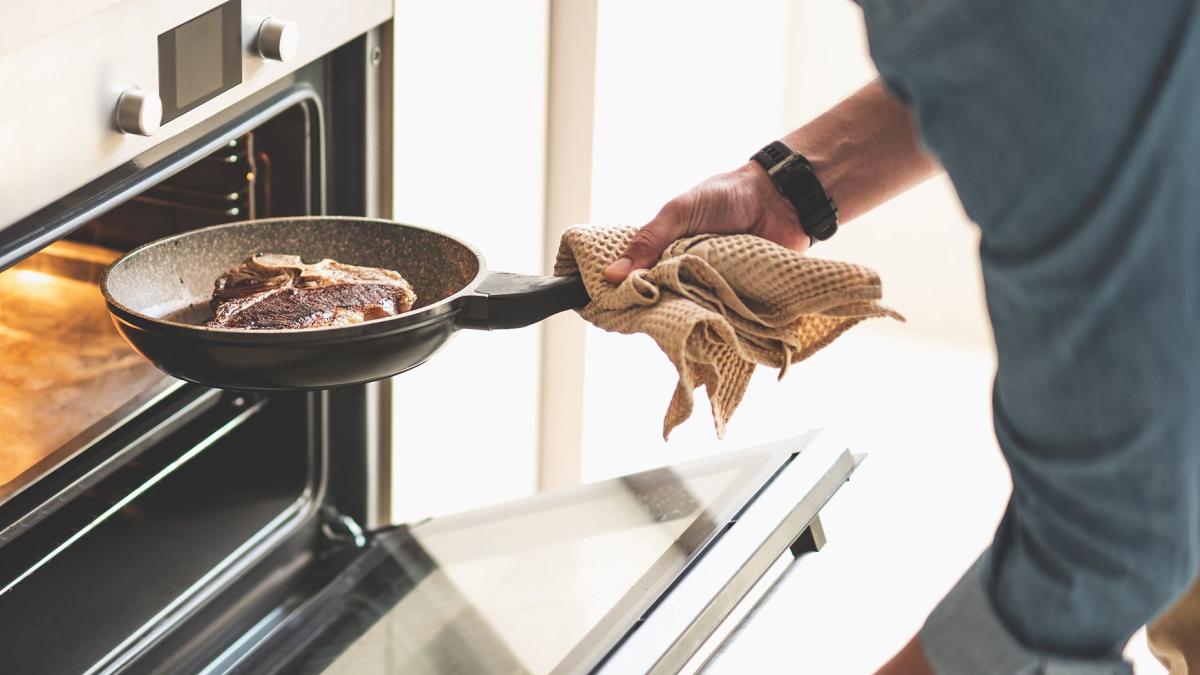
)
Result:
{"points": [[548, 583]]}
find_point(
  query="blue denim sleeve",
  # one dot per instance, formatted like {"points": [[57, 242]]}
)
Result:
{"points": [[1071, 131], [964, 635]]}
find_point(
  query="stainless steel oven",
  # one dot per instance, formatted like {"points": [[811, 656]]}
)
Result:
{"points": [[151, 525]]}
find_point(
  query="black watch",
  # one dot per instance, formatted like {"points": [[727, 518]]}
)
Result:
{"points": [[793, 176]]}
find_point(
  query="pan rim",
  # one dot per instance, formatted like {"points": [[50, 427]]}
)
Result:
{"points": [[430, 312]]}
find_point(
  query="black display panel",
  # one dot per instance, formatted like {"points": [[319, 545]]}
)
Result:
{"points": [[199, 59]]}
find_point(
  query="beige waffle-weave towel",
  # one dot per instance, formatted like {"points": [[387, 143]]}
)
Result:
{"points": [[720, 304]]}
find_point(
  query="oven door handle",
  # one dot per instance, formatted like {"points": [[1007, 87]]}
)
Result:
{"points": [[508, 300]]}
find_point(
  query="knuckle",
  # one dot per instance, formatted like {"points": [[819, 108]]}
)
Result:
{"points": [[644, 242], [673, 210]]}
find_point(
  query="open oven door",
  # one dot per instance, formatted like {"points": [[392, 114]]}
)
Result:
{"points": [[636, 574]]}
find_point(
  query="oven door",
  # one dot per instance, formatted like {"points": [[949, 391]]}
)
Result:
{"points": [[636, 574]]}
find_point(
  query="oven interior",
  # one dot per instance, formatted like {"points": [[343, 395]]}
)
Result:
{"points": [[66, 369], [114, 476]]}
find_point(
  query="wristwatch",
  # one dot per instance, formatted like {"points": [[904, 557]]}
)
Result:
{"points": [[793, 176]]}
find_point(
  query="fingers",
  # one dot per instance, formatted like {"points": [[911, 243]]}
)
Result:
{"points": [[647, 245], [619, 270]]}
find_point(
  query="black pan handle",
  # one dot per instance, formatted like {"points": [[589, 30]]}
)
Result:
{"points": [[507, 300]]}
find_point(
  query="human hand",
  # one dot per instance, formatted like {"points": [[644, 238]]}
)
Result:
{"points": [[743, 201]]}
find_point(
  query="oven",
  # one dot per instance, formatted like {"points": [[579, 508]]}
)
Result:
{"points": [[131, 501], [152, 525]]}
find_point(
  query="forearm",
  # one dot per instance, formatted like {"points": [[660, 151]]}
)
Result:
{"points": [[865, 150]]}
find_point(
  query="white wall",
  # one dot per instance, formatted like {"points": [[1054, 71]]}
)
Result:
{"points": [[469, 157]]}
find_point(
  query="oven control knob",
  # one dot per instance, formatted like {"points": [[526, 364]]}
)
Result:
{"points": [[139, 112], [278, 40]]}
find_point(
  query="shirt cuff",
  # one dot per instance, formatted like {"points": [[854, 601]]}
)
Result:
{"points": [[965, 636]]}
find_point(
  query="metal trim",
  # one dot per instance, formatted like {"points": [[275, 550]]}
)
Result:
{"points": [[691, 611], [741, 615], [377, 192]]}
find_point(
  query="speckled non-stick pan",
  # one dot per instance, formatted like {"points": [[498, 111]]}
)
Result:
{"points": [[159, 295]]}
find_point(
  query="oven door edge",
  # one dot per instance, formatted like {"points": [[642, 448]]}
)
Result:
{"points": [[679, 625]]}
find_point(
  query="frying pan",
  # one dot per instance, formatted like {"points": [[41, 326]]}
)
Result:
{"points": [[158, 295]]}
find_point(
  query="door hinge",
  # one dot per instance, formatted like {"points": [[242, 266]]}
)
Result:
{"points": [[341, 528]]}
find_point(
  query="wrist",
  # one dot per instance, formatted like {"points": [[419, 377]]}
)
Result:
{"points": [[763, 189], [829, 168], [754, 175]]}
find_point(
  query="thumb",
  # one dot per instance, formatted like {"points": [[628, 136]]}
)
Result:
{"points": [[646, 247]]}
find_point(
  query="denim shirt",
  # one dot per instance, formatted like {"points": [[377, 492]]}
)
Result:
{"points": [[1071, 132]]}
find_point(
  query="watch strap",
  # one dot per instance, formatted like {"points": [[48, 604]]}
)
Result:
{"points": [[794, 178], [771, 154]]}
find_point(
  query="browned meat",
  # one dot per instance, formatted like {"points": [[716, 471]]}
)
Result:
{"points": [[272, 290]]}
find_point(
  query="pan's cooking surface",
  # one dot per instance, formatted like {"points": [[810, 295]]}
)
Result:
{"points": [[172, 279]]}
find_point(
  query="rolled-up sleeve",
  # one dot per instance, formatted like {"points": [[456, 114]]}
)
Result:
{"points": [[964, 635]]}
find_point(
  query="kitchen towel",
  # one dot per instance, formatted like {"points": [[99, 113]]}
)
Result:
{"points": [[719, 305]]}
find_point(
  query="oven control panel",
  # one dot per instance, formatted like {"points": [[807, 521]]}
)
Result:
{"points": [[197, 61], [200, 59], [117, 77]]}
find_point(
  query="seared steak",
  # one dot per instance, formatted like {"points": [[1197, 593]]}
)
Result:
{"points": [[272, 290]]}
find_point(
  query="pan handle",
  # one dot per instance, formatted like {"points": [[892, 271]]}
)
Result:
{"points": [[507, 300]]}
